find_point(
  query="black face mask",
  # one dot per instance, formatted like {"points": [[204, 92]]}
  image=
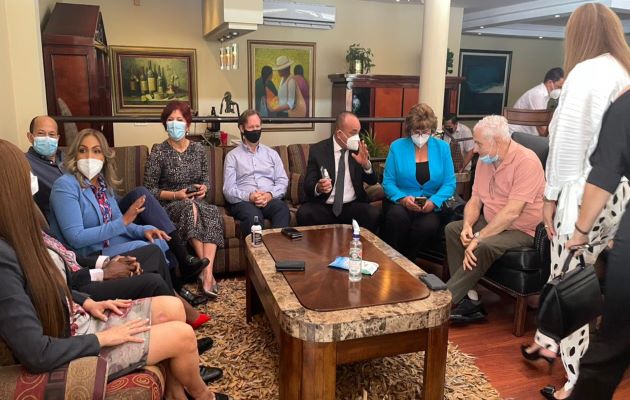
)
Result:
{"points": [[252, 136]]}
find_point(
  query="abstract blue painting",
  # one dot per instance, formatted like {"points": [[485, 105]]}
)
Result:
{"points": [[486, 76]]}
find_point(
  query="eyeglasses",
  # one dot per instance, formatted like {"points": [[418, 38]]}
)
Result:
{"points": [[422, 132]]}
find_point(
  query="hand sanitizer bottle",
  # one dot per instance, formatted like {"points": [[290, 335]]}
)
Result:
{"points": [[256, 233], [355, 261]]}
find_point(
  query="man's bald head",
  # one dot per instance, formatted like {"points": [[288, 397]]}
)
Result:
{"points": [[42, 121]]}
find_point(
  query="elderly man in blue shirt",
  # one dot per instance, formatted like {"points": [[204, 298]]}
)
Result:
{"points": [[254, 180]]}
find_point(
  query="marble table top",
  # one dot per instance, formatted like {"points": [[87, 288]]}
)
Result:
{"points": [[334, 326]]}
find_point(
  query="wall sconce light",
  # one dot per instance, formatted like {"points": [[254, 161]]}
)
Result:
{"points": [[228, 57]]}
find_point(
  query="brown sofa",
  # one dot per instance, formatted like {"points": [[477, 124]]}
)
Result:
{"points": [[82, 379], [130, 163]]}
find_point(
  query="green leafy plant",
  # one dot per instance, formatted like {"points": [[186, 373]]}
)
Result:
{"points": [[449, 61], [356, 52], [376, 150]]}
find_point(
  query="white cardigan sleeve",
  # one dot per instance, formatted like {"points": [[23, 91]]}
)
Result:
{"points": [[588, 91]]}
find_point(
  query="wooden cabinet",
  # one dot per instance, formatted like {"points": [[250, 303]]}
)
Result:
{"points": [[76, 65], [384, 96]]}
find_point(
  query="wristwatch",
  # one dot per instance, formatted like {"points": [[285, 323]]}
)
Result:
{"points": [[477, 235]]}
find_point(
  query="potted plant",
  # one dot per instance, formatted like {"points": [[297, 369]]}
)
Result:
{"points": [[449, 61], [359, 59]]}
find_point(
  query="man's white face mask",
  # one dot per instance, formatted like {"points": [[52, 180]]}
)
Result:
{"points": [[555, 94], [353, 142]]}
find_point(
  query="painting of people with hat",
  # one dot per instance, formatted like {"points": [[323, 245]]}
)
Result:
{"points": [[281, 76]]}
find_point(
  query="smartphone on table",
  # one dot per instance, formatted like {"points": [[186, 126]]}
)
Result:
{"points": [[420, 201], [292, 233]]}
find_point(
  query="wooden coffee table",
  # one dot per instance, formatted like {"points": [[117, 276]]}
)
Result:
{"points": [[313, 343]]}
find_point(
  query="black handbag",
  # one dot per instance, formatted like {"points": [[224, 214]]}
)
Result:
{"points": [[569, 301]]}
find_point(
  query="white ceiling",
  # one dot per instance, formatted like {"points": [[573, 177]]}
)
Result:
{"points": [[543, 19]]}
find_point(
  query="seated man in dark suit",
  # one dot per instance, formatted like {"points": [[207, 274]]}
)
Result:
{"points": [[46, 162], [336, 170]]}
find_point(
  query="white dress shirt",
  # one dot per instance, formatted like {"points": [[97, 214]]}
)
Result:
{"points": [[587, 93], [535, 98], [462, 132]]}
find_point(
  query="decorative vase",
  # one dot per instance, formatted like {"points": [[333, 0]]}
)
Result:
{"points": [[356, 67]]}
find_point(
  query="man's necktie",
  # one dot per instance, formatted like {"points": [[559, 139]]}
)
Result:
{"points": [[341, 174]]}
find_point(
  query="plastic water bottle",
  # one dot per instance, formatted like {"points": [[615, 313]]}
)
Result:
{"points": [[355, 261], [256, 233]]}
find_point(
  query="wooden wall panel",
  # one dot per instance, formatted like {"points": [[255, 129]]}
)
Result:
{"points": [[387, 103]]}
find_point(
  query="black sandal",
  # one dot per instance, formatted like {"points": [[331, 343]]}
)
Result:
{"points": [[193, 299]]}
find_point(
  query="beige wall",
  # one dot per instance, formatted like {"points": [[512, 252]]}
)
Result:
{"points": [[396, 48], [531, 59], [21, 69]]}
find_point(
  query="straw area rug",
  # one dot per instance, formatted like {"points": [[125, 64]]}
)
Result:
{"points": [[248, 355]]}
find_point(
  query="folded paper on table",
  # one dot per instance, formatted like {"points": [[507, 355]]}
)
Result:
{"points": [[367, 268]]}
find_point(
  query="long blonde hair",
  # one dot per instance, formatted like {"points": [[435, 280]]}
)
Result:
{"points": [[594, 29], [21, 228], [109, 169]]}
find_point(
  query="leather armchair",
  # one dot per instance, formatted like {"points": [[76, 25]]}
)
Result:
{"points": [[522, 272]]}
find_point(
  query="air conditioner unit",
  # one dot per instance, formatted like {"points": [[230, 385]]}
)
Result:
{"points": [[282, 13]]}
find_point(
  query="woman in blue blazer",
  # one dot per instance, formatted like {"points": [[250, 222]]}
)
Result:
{"points": [[84, 213], [417, 166]]}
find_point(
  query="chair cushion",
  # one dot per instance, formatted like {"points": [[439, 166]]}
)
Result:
{"points": [[519, 259], [130, 162], [145, 384], [298, 157], [215, 173], [296, 189], [80, 379]]}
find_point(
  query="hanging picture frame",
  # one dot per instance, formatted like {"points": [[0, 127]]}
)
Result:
{"points": [[145, 79], [281, 78], [484, 90]]}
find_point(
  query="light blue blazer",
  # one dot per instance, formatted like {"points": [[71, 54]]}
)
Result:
{"points": [[399, 178], [75, 219]]}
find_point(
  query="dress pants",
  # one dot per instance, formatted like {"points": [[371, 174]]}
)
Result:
{"points": [[314, 213], [276, 210], [154, 281], [153, 214], [406, 230], [488, 250]]}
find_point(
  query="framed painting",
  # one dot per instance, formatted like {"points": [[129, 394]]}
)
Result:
{"points": [[485, 88], [145, 79], [282, 81]]}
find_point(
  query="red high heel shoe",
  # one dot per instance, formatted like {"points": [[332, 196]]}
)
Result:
{"points": [[201, 319]]}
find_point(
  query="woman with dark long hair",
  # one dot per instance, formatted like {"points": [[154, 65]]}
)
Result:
{"points": [[45, 325]]}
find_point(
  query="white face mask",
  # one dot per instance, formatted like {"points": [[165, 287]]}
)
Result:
{"points": [[34, 184], [353, 143], [420, 140], [89, 167], [554, 94]]}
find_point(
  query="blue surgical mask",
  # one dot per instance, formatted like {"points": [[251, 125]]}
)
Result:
{"points": [[45, 145], [487, 159], [176, 130]]}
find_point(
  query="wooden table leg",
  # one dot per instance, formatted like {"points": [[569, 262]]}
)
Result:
{"points": [[319, 365], [290, 376], [252, 302], [435, 363]]}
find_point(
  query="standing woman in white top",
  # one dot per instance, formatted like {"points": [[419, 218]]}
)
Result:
{"points": [[596, 61]]}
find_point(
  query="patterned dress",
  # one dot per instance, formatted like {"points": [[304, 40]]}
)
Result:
{"points": [[123, 358], [170, 170]]}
